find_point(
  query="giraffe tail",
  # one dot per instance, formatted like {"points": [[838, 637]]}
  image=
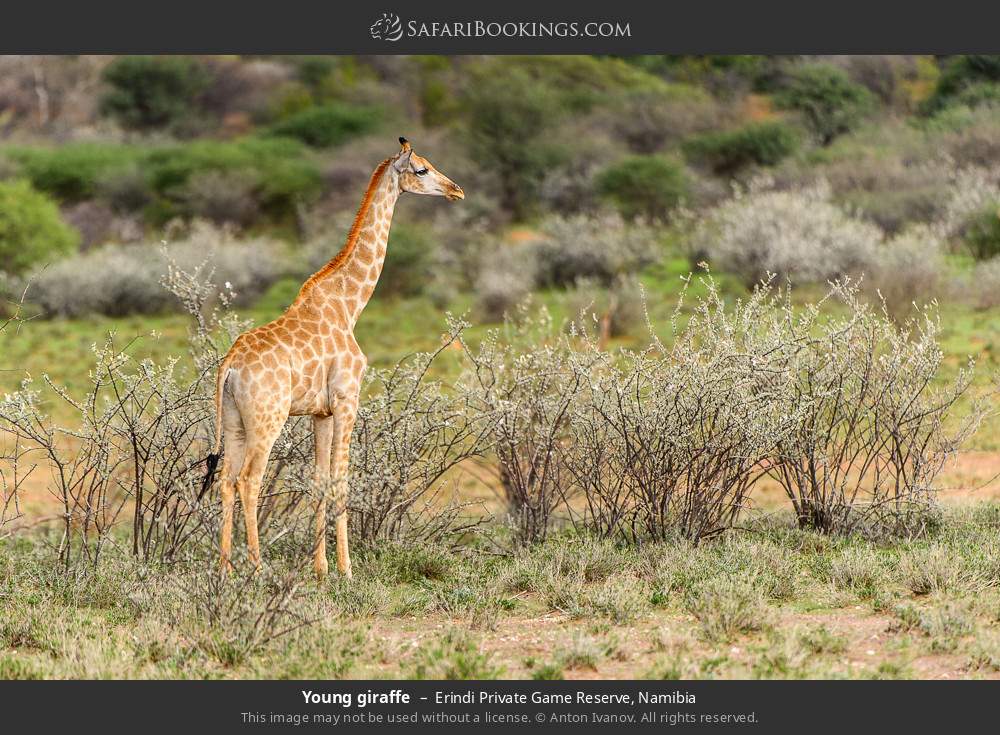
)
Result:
{"points": [[211, 465], [212, 460]]}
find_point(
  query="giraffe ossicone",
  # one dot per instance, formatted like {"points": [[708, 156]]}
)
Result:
{"points": [[307, 362]]}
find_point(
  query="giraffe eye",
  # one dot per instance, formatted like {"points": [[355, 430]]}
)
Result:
{"points": [[420, 172]]}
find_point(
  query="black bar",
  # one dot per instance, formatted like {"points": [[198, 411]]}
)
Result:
{"points": [[767, 707], [332, 27]]}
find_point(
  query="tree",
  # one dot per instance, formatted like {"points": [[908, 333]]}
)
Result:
{"points": [[150, 92], [510, 120], [30, 228], [827, 98], [644, 186], [967, 79]]}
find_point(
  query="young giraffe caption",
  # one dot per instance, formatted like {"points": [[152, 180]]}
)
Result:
{"points": [[307, 362]]}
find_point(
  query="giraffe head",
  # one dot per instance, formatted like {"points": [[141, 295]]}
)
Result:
{"points": [[418, 175]]}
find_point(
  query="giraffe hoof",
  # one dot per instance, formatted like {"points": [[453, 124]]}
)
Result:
{"points": [[321, 571]]}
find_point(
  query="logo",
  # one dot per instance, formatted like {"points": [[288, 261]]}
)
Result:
{"points": [[387, 28]]}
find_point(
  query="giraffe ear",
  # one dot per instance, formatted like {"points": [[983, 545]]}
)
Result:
{"points": [[402, 161]]}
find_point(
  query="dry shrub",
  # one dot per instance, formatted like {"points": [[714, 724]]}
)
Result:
{"points": [[528, 389], [888, 175], [977, 140], [506, 279], [668, 441], [842, 407], [649, 120], [873, 436], [93, 220], [984, 285], [884, 75], [908, 272], [242, 86], [221, 198], [236, 615], [120, 280], [606, 313], [411, 433], [973, 190], [15, 459], [137, 444], [599, 247], [798, 235]]}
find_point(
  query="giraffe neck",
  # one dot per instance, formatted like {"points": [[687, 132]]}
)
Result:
{"points": [[349, 279]]}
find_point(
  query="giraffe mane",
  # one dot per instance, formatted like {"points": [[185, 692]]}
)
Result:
{"points": [[340, 258]]}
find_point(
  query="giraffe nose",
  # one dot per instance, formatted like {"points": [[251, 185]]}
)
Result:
{"points": [[456, 193]]}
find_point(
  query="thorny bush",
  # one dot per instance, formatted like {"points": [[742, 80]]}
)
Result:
{"points": [[669, 440], [874, 430], [141, 431], [835, 401]]}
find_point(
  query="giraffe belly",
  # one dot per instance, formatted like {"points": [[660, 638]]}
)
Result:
{"points": [[310, 393]]}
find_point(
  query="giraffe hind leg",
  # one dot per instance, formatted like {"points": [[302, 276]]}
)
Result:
{"points": [[232, 461], [248, 483]]}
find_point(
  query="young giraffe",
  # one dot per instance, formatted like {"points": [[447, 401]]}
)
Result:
{"points": [[307, 362]]}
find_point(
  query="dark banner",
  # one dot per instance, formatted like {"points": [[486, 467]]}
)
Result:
{"points": [[563, 706], [451, 27]]}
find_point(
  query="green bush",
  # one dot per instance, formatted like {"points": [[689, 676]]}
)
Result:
{"points": [[150, 92], [827, 98], [407, 262], [958, 75], [764, 144], [724, 75], [72, 172], [980, 94], [510, 118], [314, 71], [31, 229], [276, 170], [327, 125], [438, 104], [644, 186], [578, 83], [982, 236]]}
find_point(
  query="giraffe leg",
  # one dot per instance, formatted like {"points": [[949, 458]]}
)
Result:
{"points": [[230, 468], [232, 461], [323, 429], [248, 485], [249, 489], [346, 413]]}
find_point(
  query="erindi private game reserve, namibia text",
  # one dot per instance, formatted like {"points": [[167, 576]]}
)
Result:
{"points": [[397, 696]]}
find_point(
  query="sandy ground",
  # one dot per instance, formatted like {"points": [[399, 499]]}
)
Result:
{"points": [[641, 647], [970, 476]]}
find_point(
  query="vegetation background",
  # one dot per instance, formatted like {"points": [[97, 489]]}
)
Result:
{"points": [[595, 186]]}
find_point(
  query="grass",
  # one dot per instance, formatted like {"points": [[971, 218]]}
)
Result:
{"points": [[559, 610], [767, 601]]}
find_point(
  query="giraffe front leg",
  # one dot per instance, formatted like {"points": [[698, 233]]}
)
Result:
{"points": [[346, 415], [323, 430]]}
